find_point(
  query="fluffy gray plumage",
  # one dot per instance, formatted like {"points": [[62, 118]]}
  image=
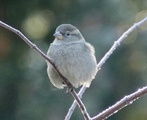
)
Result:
{"points": [[73, 57]]}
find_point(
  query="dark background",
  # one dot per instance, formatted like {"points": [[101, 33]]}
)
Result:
{"points": [[25, 90]]}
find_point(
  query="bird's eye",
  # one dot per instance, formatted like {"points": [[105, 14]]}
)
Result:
{"points": [[68, 34]]}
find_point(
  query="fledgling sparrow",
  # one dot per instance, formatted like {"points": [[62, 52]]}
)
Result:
{"points": [[73, 57]]}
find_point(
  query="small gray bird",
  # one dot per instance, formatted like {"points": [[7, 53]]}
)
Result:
{"points": [[73, 57]]}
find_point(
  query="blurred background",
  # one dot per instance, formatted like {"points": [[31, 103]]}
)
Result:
{"points": [[25, 90]]}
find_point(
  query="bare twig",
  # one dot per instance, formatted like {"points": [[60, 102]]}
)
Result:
{"points": [[33, 46], [72, 108], [127, 100], [118, 42], [106, 56], [119, 105]]}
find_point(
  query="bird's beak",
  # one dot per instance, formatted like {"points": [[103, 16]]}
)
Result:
{"points": [[58, 35]]}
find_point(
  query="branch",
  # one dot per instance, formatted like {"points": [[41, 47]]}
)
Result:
{"points": [[118, 42], [106, 56], [107, 112], [72, 108], [33, 46], [127, 100]]}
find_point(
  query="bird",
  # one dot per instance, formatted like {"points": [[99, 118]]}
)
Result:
{"points": [[73, 56]]}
